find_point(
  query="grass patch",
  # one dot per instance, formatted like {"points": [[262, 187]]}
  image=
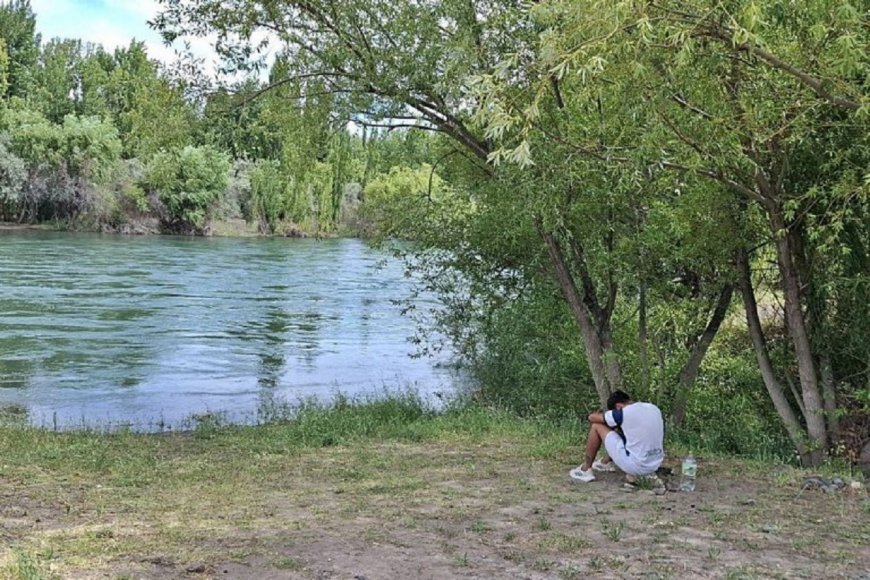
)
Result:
{"points": [[25, 566]]}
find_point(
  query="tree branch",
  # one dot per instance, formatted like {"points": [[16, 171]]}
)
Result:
{"points": [[814, 83]]}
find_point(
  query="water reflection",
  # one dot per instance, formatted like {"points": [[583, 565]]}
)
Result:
{"points": [[99, 329]]}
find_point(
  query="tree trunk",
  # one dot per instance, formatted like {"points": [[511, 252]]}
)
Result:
{"points": [[594, 349], [689, 372], [643, 338], [759, 343], [610, 358], [829, 393], [797, 330]]}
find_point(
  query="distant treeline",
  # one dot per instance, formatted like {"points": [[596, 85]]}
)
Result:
{"points": [[116, 141]]}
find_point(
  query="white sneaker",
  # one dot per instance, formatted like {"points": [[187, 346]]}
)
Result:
{"points": [[578, 474], [601, 466]]}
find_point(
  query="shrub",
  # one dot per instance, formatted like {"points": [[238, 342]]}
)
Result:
{"points": [[189, 183]]}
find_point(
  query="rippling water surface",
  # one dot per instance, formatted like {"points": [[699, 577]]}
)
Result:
{"points": [[106, 330]]}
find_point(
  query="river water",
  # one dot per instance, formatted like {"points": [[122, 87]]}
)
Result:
{"points": [[102, 331]]}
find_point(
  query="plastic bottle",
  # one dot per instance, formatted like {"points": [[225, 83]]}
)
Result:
{"points": [[689, 471]]}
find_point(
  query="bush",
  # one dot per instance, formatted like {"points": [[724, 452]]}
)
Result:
{"points": [[13, 173], [188, 183], [62, 163], [531, 361]]}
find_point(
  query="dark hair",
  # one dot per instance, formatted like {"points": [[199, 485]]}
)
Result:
{"points": [[617, 397]]}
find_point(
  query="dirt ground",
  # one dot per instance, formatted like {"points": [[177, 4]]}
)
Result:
{"points": [[427, 511]]}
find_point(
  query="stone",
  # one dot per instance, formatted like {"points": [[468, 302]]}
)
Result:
{"points": [[864, 460]]}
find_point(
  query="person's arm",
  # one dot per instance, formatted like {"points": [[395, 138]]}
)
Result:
{"points": [[612, 419], [597, 418]]}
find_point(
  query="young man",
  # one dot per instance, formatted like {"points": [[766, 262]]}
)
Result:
{"points": [[633, 435]]}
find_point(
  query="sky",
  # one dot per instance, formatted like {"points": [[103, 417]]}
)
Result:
{"points": [[112, 23]]}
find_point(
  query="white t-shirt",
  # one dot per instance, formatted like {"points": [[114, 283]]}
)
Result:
{"points": [[644, 432]]}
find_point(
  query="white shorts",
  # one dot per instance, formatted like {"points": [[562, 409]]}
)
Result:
{"points": [[617, 452]]}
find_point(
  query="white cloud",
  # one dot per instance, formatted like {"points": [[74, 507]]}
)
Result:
{"points": [[113, 24]]}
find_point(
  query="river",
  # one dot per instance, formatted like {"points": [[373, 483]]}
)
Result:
{"points": [[149, 332]]}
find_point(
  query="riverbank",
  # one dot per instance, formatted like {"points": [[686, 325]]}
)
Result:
{"points": [[227, 228], [391, 490]]}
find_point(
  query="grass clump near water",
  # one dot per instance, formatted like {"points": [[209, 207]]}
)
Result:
{"points": [[364, 487]]}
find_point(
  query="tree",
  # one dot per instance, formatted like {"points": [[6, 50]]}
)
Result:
{"points": [[737, 94], [586, 115], [358, 52], [18, 31], [56, 79]]}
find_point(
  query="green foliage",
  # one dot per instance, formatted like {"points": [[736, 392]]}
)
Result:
{"points": [[21, 43], [528, 358], [56, 78], [4, 67], [151, 114], [13, 173], [397, 203], [32, 136], [268, 195], [729, 414], [26, 566], [89, 146], [63, 163], [188, 182]]}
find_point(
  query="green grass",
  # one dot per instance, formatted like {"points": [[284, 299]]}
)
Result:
{"points": [[26, 566]]}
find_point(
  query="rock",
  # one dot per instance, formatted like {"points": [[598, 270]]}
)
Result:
{"points": [[824, 484], [864, 460]]}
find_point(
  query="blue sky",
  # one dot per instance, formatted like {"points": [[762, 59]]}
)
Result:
{"points": [[112, 23]]}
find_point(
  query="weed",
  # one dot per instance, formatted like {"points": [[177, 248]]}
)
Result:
{"points": [[461, 560], [479, 527], [647, 483], [613, 531], [542, 565], [25, 566], [567, 544], [739, 573], [571, 572], [544, 524], [286, 563], [596, 563]]}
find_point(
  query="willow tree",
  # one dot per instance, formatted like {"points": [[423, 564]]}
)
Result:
{"points": [[395, 64], [765, 99], [420, 65]]}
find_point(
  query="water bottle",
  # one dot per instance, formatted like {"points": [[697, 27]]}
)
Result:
{"points": [[689, 471]]}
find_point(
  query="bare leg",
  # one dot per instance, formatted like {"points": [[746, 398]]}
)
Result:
{"points": [[597, 434]]}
